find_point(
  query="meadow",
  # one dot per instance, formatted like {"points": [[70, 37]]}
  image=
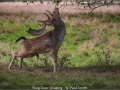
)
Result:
{"points": [[89, 56]]}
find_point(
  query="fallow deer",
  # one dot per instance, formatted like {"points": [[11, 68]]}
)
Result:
{"points": [[48, 42]]}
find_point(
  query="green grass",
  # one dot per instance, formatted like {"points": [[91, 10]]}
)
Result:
{"points": [[95, 77], [83, 58]]}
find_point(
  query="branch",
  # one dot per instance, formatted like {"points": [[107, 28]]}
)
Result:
{"points": [[100, 6]]}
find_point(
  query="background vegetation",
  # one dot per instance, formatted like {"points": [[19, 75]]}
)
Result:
{"points": [[88, 57]]}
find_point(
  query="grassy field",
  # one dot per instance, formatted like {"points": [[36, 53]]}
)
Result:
{"points": [[89, 57]]}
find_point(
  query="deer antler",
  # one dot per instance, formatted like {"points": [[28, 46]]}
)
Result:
{"points": [[36, 32], [48, 21], [48, 12], [47, 16], [40, 31]]}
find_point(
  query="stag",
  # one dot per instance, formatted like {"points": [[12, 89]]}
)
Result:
{"points": [[48, 42]]}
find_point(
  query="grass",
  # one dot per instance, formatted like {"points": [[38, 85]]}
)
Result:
{"points": [[89, 56], [82, 77]]}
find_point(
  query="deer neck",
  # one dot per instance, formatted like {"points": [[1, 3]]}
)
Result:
{"points": [[60, 30]]}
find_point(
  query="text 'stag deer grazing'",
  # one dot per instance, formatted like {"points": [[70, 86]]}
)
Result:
{"points": [[48, 42]]}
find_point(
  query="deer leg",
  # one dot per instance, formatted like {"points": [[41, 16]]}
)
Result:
{"points": [[37, 58], [11, 62], [54, 56], [21, 59]]}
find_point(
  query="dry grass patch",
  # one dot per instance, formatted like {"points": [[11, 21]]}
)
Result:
{"points": [[4, 48]]}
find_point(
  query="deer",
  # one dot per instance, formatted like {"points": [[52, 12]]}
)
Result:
{"points": [[49, 42]]}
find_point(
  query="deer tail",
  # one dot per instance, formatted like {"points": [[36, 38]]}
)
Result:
{"points": [[21, 38]]}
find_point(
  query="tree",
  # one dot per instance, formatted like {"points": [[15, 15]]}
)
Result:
{"points": [[86, 4]]}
